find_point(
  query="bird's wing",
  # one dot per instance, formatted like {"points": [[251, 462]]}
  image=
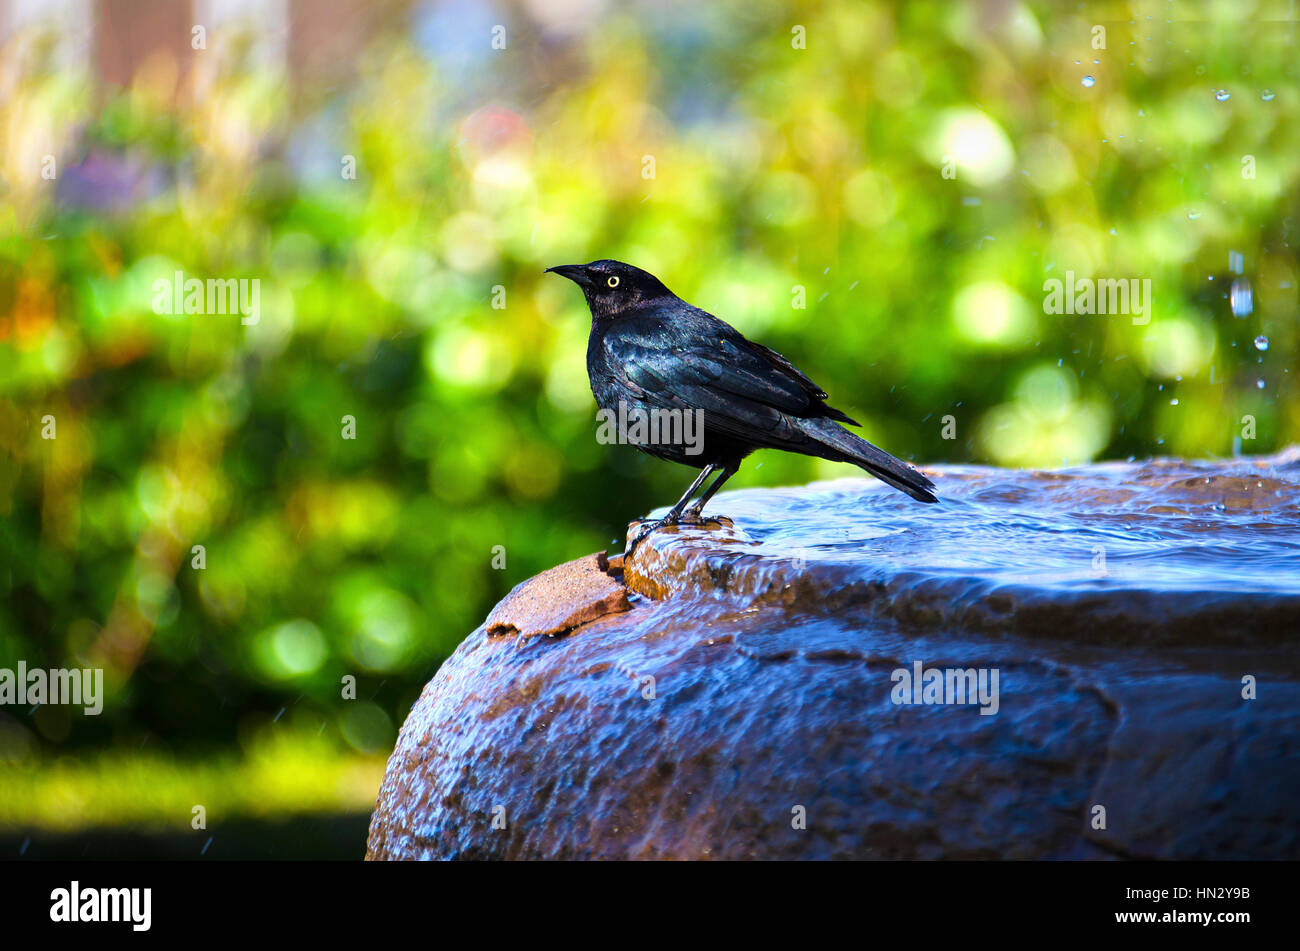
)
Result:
{"points": [[700, 328], [789, 369], [737, 388]]}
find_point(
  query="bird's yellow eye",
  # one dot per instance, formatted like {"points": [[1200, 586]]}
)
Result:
{"points": [[612, 282]]}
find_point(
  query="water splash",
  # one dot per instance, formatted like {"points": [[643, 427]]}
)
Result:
{"points": [[1240, 298]]}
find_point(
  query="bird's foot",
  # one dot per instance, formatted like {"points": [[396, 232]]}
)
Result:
{"points": [[693, 516], [646, 529], [689, 517]]}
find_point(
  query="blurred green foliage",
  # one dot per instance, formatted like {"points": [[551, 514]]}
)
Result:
{"points": [[774, 168]]}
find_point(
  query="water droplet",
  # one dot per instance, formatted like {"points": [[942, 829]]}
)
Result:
{"points": [[1088, 81], [1173, 402], [1223, 95], [1193, 214], [1239, 297], [1260, 384], [1267, 95], [1261, 342], [1236, 260]]}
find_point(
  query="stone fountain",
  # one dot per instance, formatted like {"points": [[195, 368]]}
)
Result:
{"points": [[1088, 663]]}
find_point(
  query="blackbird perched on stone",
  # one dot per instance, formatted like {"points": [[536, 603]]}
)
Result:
{"points": [[670, 373]]}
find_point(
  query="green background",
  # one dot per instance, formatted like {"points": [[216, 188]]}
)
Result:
{"points": [[700, 144]]}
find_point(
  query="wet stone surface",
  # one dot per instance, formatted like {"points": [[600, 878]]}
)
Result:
{"points": [[750, 687]]}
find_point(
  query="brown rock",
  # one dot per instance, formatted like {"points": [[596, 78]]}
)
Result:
{"points": [[560, 599]]}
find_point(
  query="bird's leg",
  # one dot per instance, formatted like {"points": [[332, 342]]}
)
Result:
{"points": [[727, 472], [675, 513]]}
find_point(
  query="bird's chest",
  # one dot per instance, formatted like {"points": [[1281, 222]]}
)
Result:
{"points": [[606, 382]]}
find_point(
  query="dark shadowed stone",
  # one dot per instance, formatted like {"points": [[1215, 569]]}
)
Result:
{"points": [[751, 682]]}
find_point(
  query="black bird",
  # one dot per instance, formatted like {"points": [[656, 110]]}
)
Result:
{"points": [[653, 352]]}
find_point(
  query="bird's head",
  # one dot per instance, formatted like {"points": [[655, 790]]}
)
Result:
{"points": [[612, 286]]}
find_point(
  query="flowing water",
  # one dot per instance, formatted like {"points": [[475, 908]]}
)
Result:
{"points": [[1165, 549]]}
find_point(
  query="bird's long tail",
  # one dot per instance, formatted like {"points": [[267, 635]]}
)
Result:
{"points": [[846, 447]]}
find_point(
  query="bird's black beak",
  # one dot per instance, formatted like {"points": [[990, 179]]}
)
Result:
{"points": [[574, 272]]}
